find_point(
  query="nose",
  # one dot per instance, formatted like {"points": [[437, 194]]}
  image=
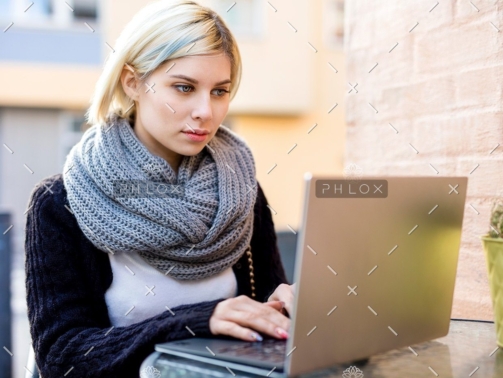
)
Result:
{"points": [[202, 110]]}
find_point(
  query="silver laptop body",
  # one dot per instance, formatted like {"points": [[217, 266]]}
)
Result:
{"points": [[375, 270]]}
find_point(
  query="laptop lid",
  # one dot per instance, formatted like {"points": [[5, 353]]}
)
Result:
{"points": [[375, 266]]}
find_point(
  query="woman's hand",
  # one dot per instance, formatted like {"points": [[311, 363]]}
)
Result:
{"points": [[284, 293], [242, 316]]}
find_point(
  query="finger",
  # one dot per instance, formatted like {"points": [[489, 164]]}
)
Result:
{"points": [[250, 313], [229, 328], [277, 305]]}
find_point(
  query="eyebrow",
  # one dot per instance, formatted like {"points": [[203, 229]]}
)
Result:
{"points": [[194, 81]]}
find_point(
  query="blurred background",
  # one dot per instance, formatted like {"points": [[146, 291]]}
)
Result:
{"points": [[330, 87]]}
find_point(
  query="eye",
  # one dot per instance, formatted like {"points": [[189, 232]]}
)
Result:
{"points": [[183, 87], [222, 92]]}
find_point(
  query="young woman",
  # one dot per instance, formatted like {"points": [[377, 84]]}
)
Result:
{"points": [[110, 275]]}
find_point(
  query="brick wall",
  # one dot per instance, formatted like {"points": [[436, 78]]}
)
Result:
{"points": [[437, 87]]}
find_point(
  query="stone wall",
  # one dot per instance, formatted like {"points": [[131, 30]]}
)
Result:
{"points": [[429, 99]]}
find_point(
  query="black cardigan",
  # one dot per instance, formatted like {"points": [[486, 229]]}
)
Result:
{"points": [[66, 281]]}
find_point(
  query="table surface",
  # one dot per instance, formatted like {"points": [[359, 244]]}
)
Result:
{"points": [[469, 350]]}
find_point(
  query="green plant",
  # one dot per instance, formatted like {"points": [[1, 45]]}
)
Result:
{"points": [[496, 224]]}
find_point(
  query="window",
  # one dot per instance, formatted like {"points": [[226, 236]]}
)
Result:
{"points": [[72, 126], [333, 23], [85, 9], [50, 13], [245, 18]]}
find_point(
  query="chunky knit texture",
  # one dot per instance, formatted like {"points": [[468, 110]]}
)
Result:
{"points": [[192, 235], [66, 281]]}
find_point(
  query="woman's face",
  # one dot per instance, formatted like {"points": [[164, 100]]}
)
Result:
{"points": [[193, 95]]}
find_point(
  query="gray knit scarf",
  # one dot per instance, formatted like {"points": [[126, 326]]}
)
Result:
{"points": [[190, 236]]}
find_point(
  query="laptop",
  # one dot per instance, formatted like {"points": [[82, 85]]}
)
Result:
{"points": [[375, 270]]}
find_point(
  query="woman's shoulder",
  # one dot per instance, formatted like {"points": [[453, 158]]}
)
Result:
{"points": [[48, 205]]}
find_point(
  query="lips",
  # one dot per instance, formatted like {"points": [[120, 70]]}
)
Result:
{"points": [[197, 131]]}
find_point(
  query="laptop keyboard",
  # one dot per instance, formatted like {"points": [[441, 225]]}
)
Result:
{"points": [[270, 350]]}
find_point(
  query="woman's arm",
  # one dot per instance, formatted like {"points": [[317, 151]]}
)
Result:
{"points": [[268, 268], [69, 324]]}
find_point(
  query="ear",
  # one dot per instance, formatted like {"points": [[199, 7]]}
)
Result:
{"points": [[130, 82]]}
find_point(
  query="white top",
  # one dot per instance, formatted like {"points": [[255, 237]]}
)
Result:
{"points": [[139, 291]]}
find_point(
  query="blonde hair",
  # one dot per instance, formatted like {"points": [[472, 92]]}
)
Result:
{"points": [[163, 30]]}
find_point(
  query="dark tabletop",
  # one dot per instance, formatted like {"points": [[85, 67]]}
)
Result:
{"points": [[469, 350]]}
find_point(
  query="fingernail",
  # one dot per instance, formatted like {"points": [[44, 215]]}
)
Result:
{"points": [[282, 304], [281, 333], [256, 336]]}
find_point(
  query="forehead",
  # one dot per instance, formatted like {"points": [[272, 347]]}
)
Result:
{"points": [[216, 63]]}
